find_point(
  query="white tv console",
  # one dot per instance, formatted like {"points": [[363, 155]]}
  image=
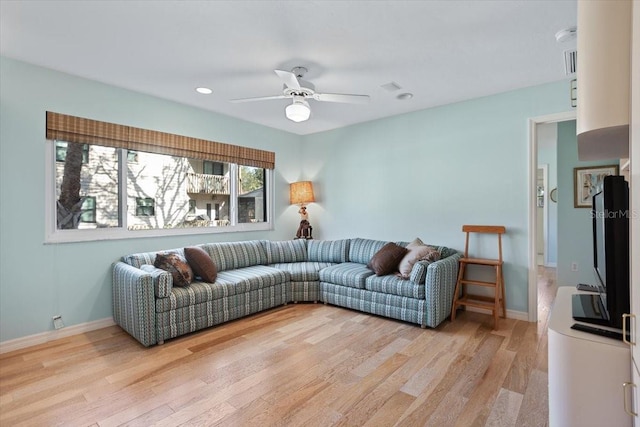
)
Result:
{"points": [[586, 372]]}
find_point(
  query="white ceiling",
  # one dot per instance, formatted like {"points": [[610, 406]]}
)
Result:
{"points": [[441, 51]]}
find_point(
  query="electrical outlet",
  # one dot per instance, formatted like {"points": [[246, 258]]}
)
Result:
{"points": [[574, 266], [57, 322]]}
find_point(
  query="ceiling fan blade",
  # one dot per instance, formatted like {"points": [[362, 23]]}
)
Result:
{"points": [[288, 78], [341, 97], [259, 98]]}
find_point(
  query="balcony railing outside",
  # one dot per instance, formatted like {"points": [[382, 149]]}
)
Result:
{"points": [[185, 224], [207, 184]]}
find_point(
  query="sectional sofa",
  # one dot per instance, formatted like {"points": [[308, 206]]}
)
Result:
{"points": [[256, 275]]}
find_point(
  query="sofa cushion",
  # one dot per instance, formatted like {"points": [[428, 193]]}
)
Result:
{"points": [[142, 258], [195, 293], [228, 283], [346, 274], [395, 285], [417, 251], [302, 271], [388, 305], [232, 255], [285, 251], [178, 267], [386, 260], [445, 251], [194, 317], [251, 278], [201, 263], [362, 250], [328, 250]]}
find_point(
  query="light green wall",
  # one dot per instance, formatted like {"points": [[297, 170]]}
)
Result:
{"points": [[38, 281], [575, 242], [429, 172], [419, 174]]}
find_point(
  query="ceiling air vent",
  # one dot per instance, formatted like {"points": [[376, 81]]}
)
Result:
{"points": [[570, 60]]}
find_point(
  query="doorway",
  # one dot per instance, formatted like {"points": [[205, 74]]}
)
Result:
{"points": [[542, 147]]}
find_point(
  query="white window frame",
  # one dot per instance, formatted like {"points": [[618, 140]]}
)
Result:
{"points": [[54, 235]]}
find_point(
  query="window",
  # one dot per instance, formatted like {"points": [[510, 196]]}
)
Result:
{"points": [[251, 197], [212, 168], [145, 206], [98, 177], [163, 193], [61, 152], [177, 191], [88, 210], [132, 156], [139, 193]]}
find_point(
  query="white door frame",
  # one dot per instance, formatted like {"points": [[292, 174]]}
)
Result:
{"points": [[545, 212], [533, 180]]}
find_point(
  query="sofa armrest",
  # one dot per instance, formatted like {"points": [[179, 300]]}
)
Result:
{"points": [[440, 284], [162, 280], [134, 302]]}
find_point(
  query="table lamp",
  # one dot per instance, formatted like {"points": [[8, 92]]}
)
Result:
{"points": [[301, 193]]}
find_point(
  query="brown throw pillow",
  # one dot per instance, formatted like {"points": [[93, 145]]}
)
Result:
{"points": [[417, 251], [201, 263], [180, 270], [386, 260]]}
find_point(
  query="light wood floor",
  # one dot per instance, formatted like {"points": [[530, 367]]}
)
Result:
{"points": [[302, 364]]}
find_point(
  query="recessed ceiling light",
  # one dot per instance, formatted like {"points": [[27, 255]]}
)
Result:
{"points": [[204, 90], [404, 96]]}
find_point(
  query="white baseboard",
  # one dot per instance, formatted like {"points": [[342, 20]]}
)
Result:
{"points": [[43, 337], [511, 314]]}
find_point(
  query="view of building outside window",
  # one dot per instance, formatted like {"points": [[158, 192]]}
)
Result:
{"points": [[251, 198], [85, 172], [162, 191]]}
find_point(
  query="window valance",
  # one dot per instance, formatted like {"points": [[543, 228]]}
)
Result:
{"points": [[77, 129]]}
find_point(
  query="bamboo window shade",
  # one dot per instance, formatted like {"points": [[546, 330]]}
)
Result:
{"points": [[77, 129]]}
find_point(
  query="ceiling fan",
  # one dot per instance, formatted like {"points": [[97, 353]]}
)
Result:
{"points": [[300, 90]]}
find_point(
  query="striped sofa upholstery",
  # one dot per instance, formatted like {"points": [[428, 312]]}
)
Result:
{"points": [[257, 275]]}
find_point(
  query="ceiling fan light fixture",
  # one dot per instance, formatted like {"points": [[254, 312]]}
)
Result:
{"points": [[299, 111]]}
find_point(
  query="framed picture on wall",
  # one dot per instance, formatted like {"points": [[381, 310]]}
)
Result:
{"points": [[587, 181]]}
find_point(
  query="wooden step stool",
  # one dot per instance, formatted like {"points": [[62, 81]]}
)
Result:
{"points": [[461, 297]]}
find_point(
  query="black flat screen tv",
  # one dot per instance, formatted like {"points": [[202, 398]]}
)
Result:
{"points": [[610, 218]]}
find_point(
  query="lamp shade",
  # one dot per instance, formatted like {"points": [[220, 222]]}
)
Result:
{"points": [[299, 111], [301, 193]]}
